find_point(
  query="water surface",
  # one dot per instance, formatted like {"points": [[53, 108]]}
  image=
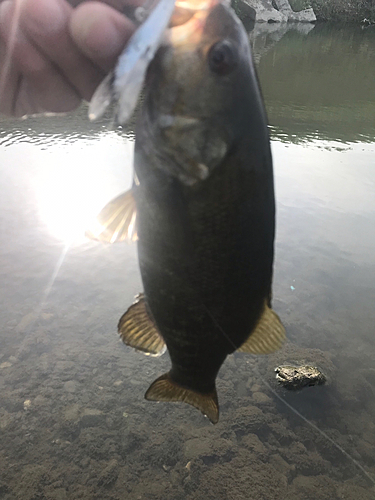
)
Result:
{"points": [[73, 422]]}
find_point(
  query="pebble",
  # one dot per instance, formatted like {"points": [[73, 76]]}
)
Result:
{"points": [[25, 322], [83, 357], [6, 364], [109, 474], [249, 419], [39, 400], [58, 494], [46, 316], [241, 389], [27, 404], [197, 447], [280, 464], [5, 419], [72, 413], [70, 386], [260, 397], [253, 443], [250, 383], [207, 448], [92, 417]]}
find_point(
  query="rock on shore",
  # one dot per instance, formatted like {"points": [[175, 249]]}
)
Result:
{"points": [[265, 11]]}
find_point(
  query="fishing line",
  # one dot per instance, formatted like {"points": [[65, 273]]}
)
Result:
{"points": [[290, 407], [311, 424]]}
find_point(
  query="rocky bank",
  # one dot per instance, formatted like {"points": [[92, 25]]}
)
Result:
{"points": [[275, 11]]}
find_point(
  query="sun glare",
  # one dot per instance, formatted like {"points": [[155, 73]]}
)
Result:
{"points": [[77, 180]]}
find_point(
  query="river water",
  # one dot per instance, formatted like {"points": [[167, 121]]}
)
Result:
{"points": [[73, 422]]}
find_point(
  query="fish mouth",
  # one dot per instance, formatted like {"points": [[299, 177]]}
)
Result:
{"points": [[189, 19]]}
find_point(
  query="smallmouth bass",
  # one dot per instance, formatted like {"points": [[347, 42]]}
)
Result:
{"points": [[202, 207]]}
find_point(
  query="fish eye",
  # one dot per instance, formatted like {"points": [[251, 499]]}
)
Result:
{"points": [[222, 57]]}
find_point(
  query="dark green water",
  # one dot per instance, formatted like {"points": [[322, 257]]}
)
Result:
{"points": [[73, 422], [321, 86]]}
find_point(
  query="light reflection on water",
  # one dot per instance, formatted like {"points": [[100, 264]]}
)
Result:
{"points": [[68, 173], [322, 174], [61, 307], [72, 192]]}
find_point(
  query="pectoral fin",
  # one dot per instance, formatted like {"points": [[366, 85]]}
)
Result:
{"points": [[165, 389], [268, 335], [116, 221], [137, 329]]}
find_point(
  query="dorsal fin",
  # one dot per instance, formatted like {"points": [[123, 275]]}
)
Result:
{"points": [[137, 329], [116, 221], [268, 335], [165, 389]]}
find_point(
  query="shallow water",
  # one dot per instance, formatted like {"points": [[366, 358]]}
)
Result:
{"points": [[73, 422]]}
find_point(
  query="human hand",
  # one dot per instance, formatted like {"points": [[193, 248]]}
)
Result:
{"points": [[53, 53]]}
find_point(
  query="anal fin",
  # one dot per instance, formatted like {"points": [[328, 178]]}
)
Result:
{"points": [[137, 329], [116, 221], [268, 335], [165, 389]]}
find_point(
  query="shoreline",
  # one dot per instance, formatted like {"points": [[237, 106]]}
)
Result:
{"points": [[353, 12]]}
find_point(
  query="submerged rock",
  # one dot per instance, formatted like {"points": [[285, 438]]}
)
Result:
{"points": [[109, 474], [296, 377], [295, 356], [92, 417], [6, 364]]}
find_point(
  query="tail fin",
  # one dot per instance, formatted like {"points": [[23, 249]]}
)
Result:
{"points": [[165, 389]]}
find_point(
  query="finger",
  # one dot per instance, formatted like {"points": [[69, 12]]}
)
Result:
{"points": [[8, 74], [46, 24], [33, 84], [100, 32], [9, 77], [119, 5], [34, 95]]}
